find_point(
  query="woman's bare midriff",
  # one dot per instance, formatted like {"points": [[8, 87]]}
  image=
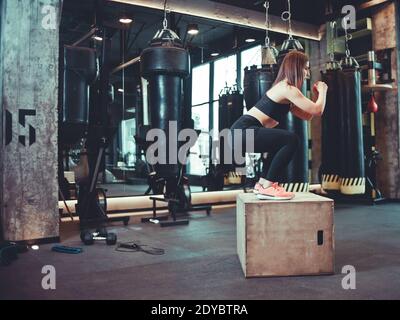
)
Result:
{"points": [[275, 94], [265, 120]]}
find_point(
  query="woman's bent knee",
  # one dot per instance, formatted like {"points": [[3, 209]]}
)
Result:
{"points": [[292, 139]]}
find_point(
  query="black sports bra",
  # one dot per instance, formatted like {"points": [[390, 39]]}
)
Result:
{"points": [[272, 109]]}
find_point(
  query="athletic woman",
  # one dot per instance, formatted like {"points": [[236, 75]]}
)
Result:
{"points": [[283, 97]]}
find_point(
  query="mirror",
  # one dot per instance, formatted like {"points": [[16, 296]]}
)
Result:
{"points": [[219, 54]]}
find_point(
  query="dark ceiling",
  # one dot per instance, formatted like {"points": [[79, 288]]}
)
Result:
{"points": [[79, 15]]}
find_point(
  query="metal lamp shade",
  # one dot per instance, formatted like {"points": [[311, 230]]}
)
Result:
{"points": [[291, 44]]}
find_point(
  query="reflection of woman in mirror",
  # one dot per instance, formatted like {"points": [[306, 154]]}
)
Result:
{"points": [[284, 96]]}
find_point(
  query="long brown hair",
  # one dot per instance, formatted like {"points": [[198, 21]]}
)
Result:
{"points": [[292, 69]]}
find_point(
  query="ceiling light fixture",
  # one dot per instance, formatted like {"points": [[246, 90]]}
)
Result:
{"points": [[193, 29], [98, 38], [215, 54], [126, 20], [250, 40]]}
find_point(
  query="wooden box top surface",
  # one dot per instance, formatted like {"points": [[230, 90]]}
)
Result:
{"points": [[300, 197]]}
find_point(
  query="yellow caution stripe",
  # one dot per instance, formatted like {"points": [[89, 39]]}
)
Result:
{"points": [[232, 178], [352, 185], [296, 186], [330, 182]]}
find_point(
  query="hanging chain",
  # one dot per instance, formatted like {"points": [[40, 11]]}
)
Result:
{"points": [[165, 22], [290, 19], [287, 16], [333, 43], [267, 24], [347, 37]]}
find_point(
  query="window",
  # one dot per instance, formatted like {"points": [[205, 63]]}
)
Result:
{"points": [[201, 84], [199, 152], [225, 75], [249, 58], [128, 141], [197, 163], [198, 157]]}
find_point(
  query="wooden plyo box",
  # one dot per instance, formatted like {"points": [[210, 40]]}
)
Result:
{"points": [[285, 238]]}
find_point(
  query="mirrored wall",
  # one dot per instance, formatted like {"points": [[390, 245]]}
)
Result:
{"points": [[219, 54]]}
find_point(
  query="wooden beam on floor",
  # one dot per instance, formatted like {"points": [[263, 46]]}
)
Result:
{"points": [[143, 203]]}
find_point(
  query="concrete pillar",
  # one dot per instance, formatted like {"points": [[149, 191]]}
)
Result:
{"points": [[384, 31], [29, 41]]}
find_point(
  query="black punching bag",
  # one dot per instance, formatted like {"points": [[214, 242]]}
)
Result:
{"points": [[257, 81], [351, 132], [230, 110], [164, 64], [330, 144], [295, 177], [80, 70]]}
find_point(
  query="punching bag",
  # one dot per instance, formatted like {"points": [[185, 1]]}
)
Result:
{"points": [[330, 144], [351, 132], [164, 64], [295, 177], [257, 81], [230, 109], [80, 70]]}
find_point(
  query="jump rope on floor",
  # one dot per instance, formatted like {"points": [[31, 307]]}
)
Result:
{"points": [[137, 247]]}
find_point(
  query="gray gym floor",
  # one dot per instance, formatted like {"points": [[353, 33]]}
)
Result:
{"points": [[200, 262]]}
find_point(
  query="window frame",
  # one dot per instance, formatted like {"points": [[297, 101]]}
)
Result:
{"points": [[212, 98]]}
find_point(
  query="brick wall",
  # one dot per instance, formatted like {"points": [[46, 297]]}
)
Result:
{"points": [[387, 119]]}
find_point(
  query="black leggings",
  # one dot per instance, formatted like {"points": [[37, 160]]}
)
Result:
{"points": [[281, 145]]}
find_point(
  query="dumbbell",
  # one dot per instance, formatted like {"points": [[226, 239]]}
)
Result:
{"points": [[88, 238], [101, 232], [9, 252]]}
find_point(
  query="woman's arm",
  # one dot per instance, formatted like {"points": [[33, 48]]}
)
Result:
{"points": [[299, 113], [302, 114], [296, 97]]}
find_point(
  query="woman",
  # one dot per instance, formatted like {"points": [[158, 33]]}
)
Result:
{"points": [[281, 145]]}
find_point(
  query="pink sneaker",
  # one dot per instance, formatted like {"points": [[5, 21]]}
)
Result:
{"points": [[274, 192], [256, 188]]}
